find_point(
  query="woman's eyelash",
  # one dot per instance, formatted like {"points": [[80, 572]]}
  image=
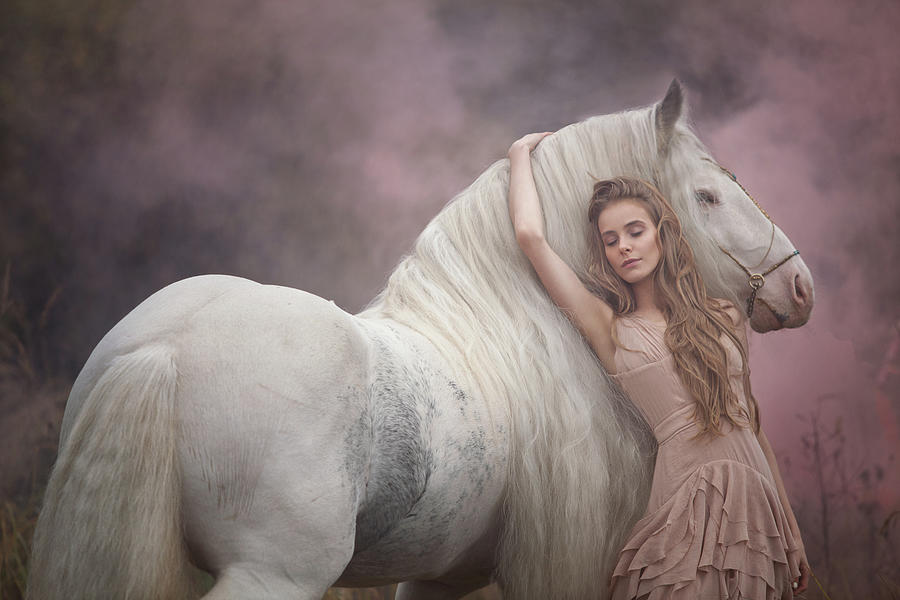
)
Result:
{"points": [[636, 233]]}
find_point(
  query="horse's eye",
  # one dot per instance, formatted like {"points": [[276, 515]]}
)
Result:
{"points": [[706, 197]]}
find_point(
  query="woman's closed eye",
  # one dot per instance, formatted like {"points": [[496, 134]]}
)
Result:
{"points": [[614, 241]]}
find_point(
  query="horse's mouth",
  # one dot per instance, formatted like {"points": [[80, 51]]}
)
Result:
{"points": [[765, 318]]}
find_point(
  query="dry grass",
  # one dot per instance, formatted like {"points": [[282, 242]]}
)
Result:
{"points": [[16, 528]]}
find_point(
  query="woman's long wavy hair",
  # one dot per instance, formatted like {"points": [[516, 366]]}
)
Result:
{"points": [[696, 323]]}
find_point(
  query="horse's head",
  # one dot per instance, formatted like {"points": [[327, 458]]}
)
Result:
{"points": [[741, 253]]}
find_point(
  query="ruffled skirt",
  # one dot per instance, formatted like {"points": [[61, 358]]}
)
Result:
{"points": [[723, 534]]}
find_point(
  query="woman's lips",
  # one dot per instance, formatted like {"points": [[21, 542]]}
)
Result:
{"points": [[630, 262]]}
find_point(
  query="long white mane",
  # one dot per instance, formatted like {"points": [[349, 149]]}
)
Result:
{"points": [[580, 455]]}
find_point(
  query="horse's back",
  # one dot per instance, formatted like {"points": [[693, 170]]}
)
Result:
{"points": [[200, 316]]}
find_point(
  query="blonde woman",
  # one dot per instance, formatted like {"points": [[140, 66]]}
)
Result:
{"points": [[718, 523]]}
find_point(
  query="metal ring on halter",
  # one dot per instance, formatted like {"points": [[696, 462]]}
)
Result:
{"points": [[757, 280]]}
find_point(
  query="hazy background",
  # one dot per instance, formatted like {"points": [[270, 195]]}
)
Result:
{"points": [[307, 143]]}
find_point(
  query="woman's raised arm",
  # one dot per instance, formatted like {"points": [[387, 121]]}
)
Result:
{"points": [[591, 315]]}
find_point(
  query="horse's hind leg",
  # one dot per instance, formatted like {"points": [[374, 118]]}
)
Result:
{"points": [[293, 541], [293, 545], [275, 444], [287, 550]]}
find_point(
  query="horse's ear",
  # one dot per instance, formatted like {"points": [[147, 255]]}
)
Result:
{"points": [[666, 114]]}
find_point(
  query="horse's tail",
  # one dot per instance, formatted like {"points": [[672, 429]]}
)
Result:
{"points": [[110, 526]]}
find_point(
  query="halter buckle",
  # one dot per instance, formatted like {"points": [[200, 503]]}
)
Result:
{"points": [[757, 281]]}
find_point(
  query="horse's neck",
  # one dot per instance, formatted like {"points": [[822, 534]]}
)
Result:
{"points": [[477, 222], [604, 147]]}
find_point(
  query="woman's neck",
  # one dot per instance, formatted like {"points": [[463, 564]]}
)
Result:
{"points": [[644, 298]]}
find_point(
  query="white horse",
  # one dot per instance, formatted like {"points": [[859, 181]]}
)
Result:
{"points": [[459, 429]]}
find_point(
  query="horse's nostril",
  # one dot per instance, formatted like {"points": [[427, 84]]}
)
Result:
{"points": [[799, 294]]}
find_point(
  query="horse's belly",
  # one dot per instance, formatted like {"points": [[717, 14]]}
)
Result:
{"points": [[435, 542]]}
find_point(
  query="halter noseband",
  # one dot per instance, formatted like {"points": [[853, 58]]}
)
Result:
{"points": [[757, 280]]}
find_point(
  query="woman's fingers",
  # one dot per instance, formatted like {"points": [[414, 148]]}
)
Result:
{"points": [[528, 142], [803, 580], [533, 139]]}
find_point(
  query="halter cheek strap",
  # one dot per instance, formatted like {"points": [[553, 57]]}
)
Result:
{"points": [[757, 280]]}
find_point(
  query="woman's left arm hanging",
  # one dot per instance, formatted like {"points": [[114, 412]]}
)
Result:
{"points": [[782, 494]]}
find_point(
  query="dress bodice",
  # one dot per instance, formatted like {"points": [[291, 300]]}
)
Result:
{"points": [[645, 368]]}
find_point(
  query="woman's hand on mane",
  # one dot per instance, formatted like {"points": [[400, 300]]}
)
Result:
{"points": [[527, 143]]}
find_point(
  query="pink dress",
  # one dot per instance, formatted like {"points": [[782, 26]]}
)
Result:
{"points": [[715, 526]]}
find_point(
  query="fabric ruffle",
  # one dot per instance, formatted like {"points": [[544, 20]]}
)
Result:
{"points": [[723, 534]]}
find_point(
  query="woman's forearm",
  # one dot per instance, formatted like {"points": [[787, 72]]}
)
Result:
{"points": [[524, 205]]}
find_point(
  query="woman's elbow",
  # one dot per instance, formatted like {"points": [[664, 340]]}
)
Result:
{"points": [[528, 238]]}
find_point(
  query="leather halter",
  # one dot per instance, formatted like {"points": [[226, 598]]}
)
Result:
{"points": [[757, 280]]}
